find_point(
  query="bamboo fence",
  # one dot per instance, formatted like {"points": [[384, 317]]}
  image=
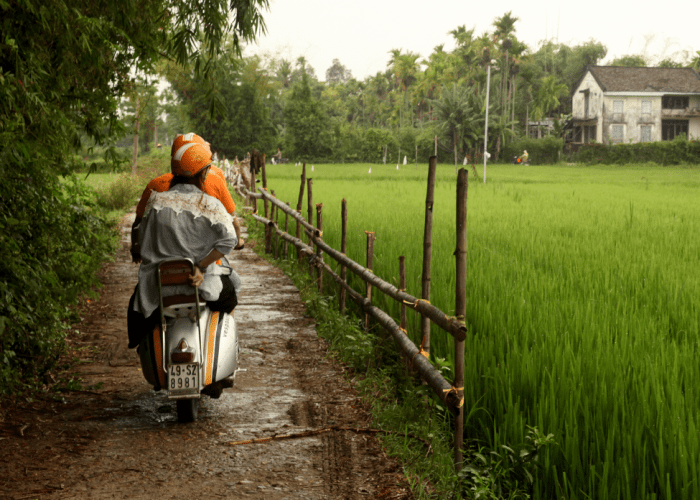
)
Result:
{"points": [[450, 393]]}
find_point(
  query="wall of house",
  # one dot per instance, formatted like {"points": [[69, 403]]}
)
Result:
{"points": [[694, 122], [632, 118], [578, 99]]}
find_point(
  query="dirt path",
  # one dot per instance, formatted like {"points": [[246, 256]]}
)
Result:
{"points": [[122, 440]]}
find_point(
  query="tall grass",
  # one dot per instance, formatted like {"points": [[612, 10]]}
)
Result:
{"points": [[582, 308]]}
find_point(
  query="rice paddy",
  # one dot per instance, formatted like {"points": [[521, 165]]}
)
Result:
{"points": [[582, 308]]}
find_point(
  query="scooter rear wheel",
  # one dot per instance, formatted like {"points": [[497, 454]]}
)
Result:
{"points": [[187, 410]]}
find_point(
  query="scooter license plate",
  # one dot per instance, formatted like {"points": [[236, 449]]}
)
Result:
{"points": [[184, 379]]}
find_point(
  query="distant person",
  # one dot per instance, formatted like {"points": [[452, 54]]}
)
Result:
{"points": [[277, 157], [524, 156]]}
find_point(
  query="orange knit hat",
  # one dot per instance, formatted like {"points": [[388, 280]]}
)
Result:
{"points": [[190, 159]]}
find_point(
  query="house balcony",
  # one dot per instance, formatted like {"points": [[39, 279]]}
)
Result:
{"points": [[670, 114]]}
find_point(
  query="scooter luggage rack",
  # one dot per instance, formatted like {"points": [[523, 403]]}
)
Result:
{"points": [[174, 273]]}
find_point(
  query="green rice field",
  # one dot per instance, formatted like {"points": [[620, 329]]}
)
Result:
{"points": [[582, 307]]}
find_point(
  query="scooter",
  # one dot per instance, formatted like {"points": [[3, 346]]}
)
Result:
{"points": [[519, 161], [194, 350]]}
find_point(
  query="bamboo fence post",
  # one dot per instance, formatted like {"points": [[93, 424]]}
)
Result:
{"points": [[253, 200], [286, 230], [310, 216], [319, 252], [299, 204], [264, 183], [370, 267], [428, 251], [343, 250], [274, 240], [402, 286], [268, 229], [460, 307]]}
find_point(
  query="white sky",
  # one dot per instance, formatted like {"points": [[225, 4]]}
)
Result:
{"points": [[360, 33]]}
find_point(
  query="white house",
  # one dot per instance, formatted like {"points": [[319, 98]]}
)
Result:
{"points": [[620, 105]]}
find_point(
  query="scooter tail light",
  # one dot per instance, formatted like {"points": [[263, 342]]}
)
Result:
{"points": [[182, 353]]}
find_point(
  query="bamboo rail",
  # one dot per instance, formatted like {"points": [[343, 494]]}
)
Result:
{"points": [[450, 324], [442, 388]]}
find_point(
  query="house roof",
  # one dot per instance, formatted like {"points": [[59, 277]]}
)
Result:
{"points": [[621, 79]]}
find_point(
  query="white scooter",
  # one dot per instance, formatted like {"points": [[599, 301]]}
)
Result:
{"points": [[193, 350]]}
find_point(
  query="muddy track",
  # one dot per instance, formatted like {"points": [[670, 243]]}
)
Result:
{"points": [[119, 439]]}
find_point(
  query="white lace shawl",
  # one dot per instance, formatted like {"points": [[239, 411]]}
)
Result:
{"points": [[185, 197]]}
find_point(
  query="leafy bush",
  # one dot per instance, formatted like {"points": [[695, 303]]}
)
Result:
{"points": [[543, 151], [52, 240], [675, 152]]}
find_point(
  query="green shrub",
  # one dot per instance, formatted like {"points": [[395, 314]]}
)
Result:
{"points": [[53, 239], [120, 195], [676, 152]]}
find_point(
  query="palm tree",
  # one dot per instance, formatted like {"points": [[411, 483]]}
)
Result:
{"points": [[695, 63], [459, 116], [546, 97], [404, 68]]}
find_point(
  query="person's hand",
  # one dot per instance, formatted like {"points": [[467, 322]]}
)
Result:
{"points": [[197, 278], [241, 244]]}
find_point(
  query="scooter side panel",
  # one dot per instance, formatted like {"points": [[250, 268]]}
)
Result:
{"points": [[150, 355], [221, 347]]}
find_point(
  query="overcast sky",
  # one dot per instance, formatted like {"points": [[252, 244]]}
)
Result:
{"points": [[360, 33]]}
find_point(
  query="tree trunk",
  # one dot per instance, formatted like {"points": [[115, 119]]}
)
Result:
{"points": [[136, 140]]}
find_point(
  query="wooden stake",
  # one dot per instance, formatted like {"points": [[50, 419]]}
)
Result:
{"points": [[428, 250], [286, 230], [299, 204], [402, 286], [319, 252], [343, 250], [273, 234], [370, 267], [310, 215], [264, 183], [253, 200], [460, 307]]}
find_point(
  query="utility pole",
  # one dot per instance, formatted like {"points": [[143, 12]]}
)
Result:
{"points": [[486, 125]]}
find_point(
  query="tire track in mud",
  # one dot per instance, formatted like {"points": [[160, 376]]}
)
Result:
{"points": [[122, 440]]}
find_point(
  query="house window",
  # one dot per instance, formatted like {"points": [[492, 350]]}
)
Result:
{"points": [[670, 129], [674, 102], [645, 133], [646, 107], [590, 131], [618, 134], [617, 110]]}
